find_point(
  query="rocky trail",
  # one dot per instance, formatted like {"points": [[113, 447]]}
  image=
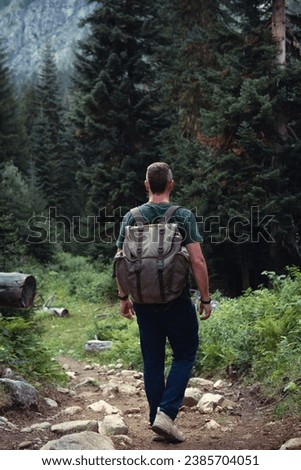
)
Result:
{"points": [[104, 407]]}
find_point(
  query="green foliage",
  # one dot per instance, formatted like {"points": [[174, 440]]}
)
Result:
{"points": [[258, 334], [50, 145], [204, 72], [22, 348], [84, 280], [123, 334], [116, 106], [19, 201], [10, 132], [198, 76], [236, 137], [78, 285]]}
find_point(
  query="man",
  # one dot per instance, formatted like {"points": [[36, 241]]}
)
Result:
{"points": [[176, 320]]}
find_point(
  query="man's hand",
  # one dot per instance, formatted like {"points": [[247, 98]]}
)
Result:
{"points": [[126, 309], [205, 311]]}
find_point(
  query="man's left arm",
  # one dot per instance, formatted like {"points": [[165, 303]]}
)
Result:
{"points": [[200, 274]]}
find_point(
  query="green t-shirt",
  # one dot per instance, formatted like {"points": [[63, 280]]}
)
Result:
{"points": [[153, 213]]}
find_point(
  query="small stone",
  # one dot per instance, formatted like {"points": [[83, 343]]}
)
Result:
{"points": [[113, 425], [132, 411], [104, 407], [72, 410], [96, 345], [209, 402], [212, 424], [51, 403]]}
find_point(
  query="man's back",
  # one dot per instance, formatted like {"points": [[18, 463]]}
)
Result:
{"points": [[154, 213]]}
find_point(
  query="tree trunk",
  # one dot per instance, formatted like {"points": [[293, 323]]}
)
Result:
{"points": [[279, 30], [17, 290], [279, 34]]}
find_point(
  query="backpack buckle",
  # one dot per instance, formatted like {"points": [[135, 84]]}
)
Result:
{"points": [[137, 265], [160, 264]]}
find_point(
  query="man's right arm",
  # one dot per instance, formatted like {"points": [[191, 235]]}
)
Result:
{"points": [[126, 305], [200, 274]]}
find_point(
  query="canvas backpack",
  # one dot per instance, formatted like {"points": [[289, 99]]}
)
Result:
{"points": [[153, 266]]}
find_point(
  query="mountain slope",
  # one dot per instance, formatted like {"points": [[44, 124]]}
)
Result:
{"points": [[26, 26]]}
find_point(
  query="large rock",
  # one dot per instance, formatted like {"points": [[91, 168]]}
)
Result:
{"points": [[75, 426], [86, 440], [291, 444], [22, 393]]}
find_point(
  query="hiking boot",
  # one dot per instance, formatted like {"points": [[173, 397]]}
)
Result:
{"points": [[165, 427]]}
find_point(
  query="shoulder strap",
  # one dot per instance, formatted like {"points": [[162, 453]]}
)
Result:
{"points": [[138, 217], [170, 212]]}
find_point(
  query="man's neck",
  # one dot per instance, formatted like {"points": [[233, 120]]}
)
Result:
{"points": [[158, 198]]}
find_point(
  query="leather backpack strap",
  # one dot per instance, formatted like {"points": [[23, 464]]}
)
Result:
{"points": [[170, 212], [138, 217]]}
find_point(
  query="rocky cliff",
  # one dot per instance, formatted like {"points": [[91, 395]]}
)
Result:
{"points": [[26, 26]]}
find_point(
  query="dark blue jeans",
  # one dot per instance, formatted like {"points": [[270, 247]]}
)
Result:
{"points": [[178, 323]]}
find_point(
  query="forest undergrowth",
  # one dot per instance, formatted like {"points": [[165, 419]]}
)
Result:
{"points": [[253, 338]]}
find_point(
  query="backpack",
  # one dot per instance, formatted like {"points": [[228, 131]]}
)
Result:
{"points": [[153, 266]]}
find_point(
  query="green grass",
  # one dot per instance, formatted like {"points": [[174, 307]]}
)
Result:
{"points": [[68, 335], [89, 293]]}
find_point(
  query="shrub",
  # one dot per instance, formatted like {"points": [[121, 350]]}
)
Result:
{"points": [[85, 280], [22, 349], [259, 334], [125, 337]]}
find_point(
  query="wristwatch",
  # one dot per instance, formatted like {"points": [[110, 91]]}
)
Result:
{"points": [[122, 297], [205, 302]]}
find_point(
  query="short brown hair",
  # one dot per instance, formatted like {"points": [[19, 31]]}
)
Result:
{"points": [[158, 174]]}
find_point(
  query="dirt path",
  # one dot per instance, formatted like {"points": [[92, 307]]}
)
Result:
{"points": [[250, 425]]}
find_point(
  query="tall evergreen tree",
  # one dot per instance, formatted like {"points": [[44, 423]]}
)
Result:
{"points": [[117, 101], [10, 127], [245, 160], [52, 158], [18, 203]]}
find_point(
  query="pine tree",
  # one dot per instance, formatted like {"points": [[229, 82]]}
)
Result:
{"points": [[46, 130], [117, 114], [19, 202], [11, 143]]}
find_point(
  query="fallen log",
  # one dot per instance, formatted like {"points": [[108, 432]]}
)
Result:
{"points": [[58, 312], [17, 290]]}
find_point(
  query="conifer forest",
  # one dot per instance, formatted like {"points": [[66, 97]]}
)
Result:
{"points": [[213, 87]]}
